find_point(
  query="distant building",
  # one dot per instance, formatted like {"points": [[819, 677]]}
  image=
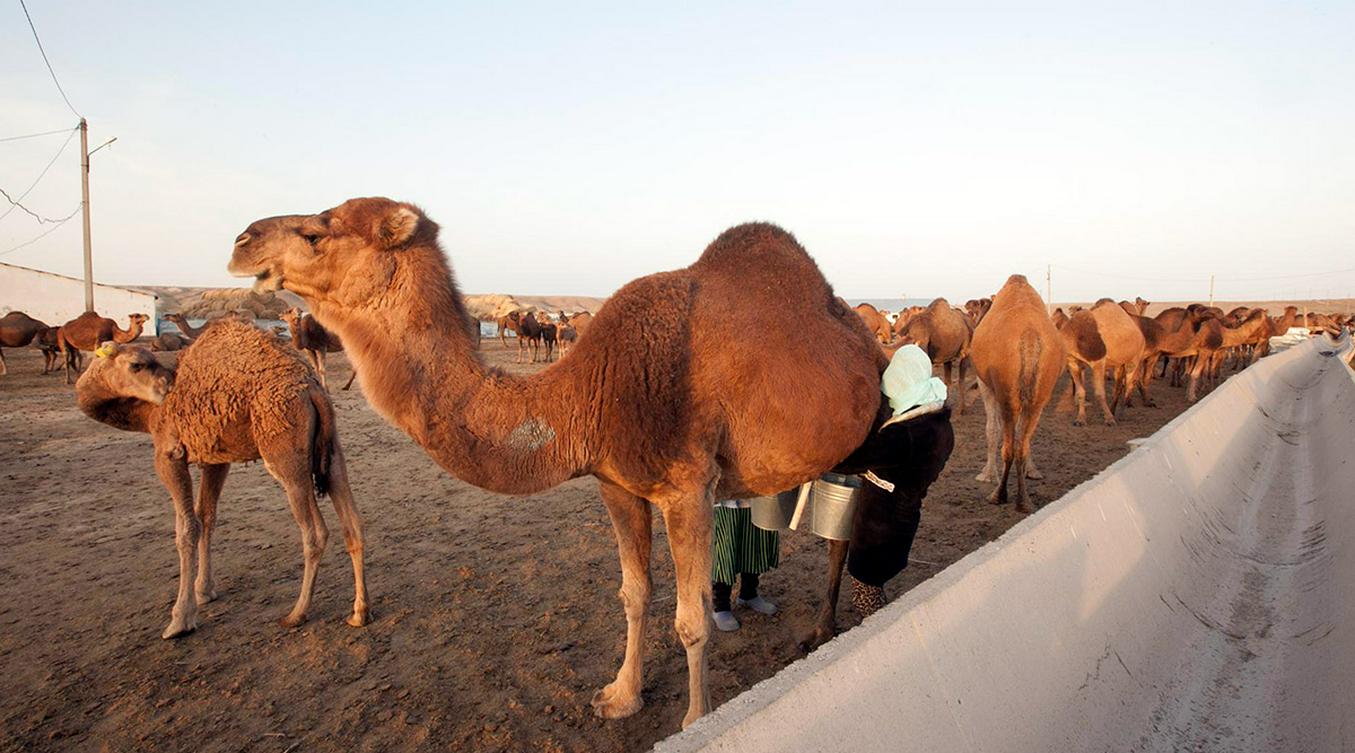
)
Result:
{"points": [[57, 299]]}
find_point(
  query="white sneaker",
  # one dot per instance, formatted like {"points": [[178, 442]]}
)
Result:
{"points": [[726, 621], [758, 604]]}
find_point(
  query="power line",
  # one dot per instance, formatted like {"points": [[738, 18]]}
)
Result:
{"points": [[36, 216], [46, 233], [1139, 278], [34, 135], [40, 175], [48, 62]]}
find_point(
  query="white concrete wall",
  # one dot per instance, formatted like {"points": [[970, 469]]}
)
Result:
{"points": [[1199, 594], [57, 299]]}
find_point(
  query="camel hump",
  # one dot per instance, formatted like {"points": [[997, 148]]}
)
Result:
{"points": [[1018, 280], [939, 303], [755, 246]]}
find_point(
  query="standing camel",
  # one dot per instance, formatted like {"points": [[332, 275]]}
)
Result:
{"points": [[505, 324], [1017, 355], [17, 330], [1124, 348], [88, 331], [237, 395], [309, 337], [677, 413], [875, 322], [1085, 349], [529, 335], [944, 333]]}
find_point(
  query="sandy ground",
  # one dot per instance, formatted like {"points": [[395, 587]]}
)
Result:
{"points": [[495, 618]]}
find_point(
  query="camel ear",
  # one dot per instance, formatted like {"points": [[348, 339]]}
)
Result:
{"points": [[399, 226]]}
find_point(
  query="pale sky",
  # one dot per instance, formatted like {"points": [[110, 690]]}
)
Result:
{"points": [[570, 147]]}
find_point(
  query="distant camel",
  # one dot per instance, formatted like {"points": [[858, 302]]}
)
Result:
{"points": [[87, 331], [944, 334], [976, 308], [505, 324], [187, 329], [1124, 347], [1085, 349], [17, 330], [1017, 355], [309, 337], [239, 395], [875, 322], [168, 341], [529, 335], [49, 340]]}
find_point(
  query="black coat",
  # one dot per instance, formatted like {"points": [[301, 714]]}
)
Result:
{"points": [[909, 455]]}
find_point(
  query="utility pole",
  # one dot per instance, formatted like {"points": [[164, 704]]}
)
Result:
{"points": [[84, 206], [1211, 290], [1048, 289]]}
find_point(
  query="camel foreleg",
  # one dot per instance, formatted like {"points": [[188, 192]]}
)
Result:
{"points": [[173, 472], [632, 522], [688, 521]]}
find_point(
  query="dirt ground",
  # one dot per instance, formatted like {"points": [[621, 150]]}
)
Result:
{"points": [[495, 618]]}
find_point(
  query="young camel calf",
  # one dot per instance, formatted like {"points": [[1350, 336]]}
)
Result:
{"points": [[237, 395]]}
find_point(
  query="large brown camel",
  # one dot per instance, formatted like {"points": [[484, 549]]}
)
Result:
{"points": [[678, 413], [87, 331], [311, 338], [237, 395], [944, 333], [1018, 355], [875, 322], [17, 330], [1085, 349]]}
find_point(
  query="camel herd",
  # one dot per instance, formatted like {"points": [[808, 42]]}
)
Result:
{"points": [[673, 415]]}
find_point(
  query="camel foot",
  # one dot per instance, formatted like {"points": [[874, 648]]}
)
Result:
{"points": [[205, 596], [1034, 473], [1110, 420], [1150, 403], [178, 627], [1024, 507], [998, 497], [1079, 421], [986, 477], [292, 620], [359, 618], [820, 636], [613, 703]]}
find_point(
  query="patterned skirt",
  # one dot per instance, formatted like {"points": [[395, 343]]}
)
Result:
{"points": [[741, 547]]}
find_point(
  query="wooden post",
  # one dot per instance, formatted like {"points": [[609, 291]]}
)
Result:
{"points": [[84, 207]]}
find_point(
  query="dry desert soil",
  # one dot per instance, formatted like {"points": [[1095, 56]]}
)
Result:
{"points": [[495, 617]]}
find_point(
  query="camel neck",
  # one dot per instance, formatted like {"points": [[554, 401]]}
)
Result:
{"points": [[420, 369]]}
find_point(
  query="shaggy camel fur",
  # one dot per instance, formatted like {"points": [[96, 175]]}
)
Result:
{"points": [[238, 395], [678, 413], [1017, 355], [944, 333], [875, 322], [1085, 349], [309, 337], [88, 331], [17, 330]]}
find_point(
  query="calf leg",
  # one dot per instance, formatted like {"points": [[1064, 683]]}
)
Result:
{"points": [[213, 479], [174, 475], [827, 620]]}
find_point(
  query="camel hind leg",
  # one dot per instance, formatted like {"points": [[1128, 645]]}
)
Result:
{"points": [[350, 521], [213, 479], [292, 470], [632, 522], [1099, 388], [999, 495], [827, 621], [992, 434], [1079, 391]]}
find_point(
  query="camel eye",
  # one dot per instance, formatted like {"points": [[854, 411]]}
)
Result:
{"points": [[137, 367], [311, 238]]}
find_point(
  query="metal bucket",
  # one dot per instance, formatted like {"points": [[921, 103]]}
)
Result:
{"points": [[832, 503], [774, 513]]}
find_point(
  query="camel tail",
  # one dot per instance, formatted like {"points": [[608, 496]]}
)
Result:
{"points": [[322, 440], [1029, 349]]}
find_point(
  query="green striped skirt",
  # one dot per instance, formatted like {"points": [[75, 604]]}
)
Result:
{"points": [[741, 547]]}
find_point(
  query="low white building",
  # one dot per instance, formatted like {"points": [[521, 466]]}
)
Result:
{"points": [[57, 299]]}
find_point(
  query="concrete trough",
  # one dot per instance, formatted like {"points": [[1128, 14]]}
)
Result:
{"points": [[1198, 595]]}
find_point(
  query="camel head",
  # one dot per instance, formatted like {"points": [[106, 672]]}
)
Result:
{"points": [[138, 319], [345, 254], [291, 317], [129, 371]]}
